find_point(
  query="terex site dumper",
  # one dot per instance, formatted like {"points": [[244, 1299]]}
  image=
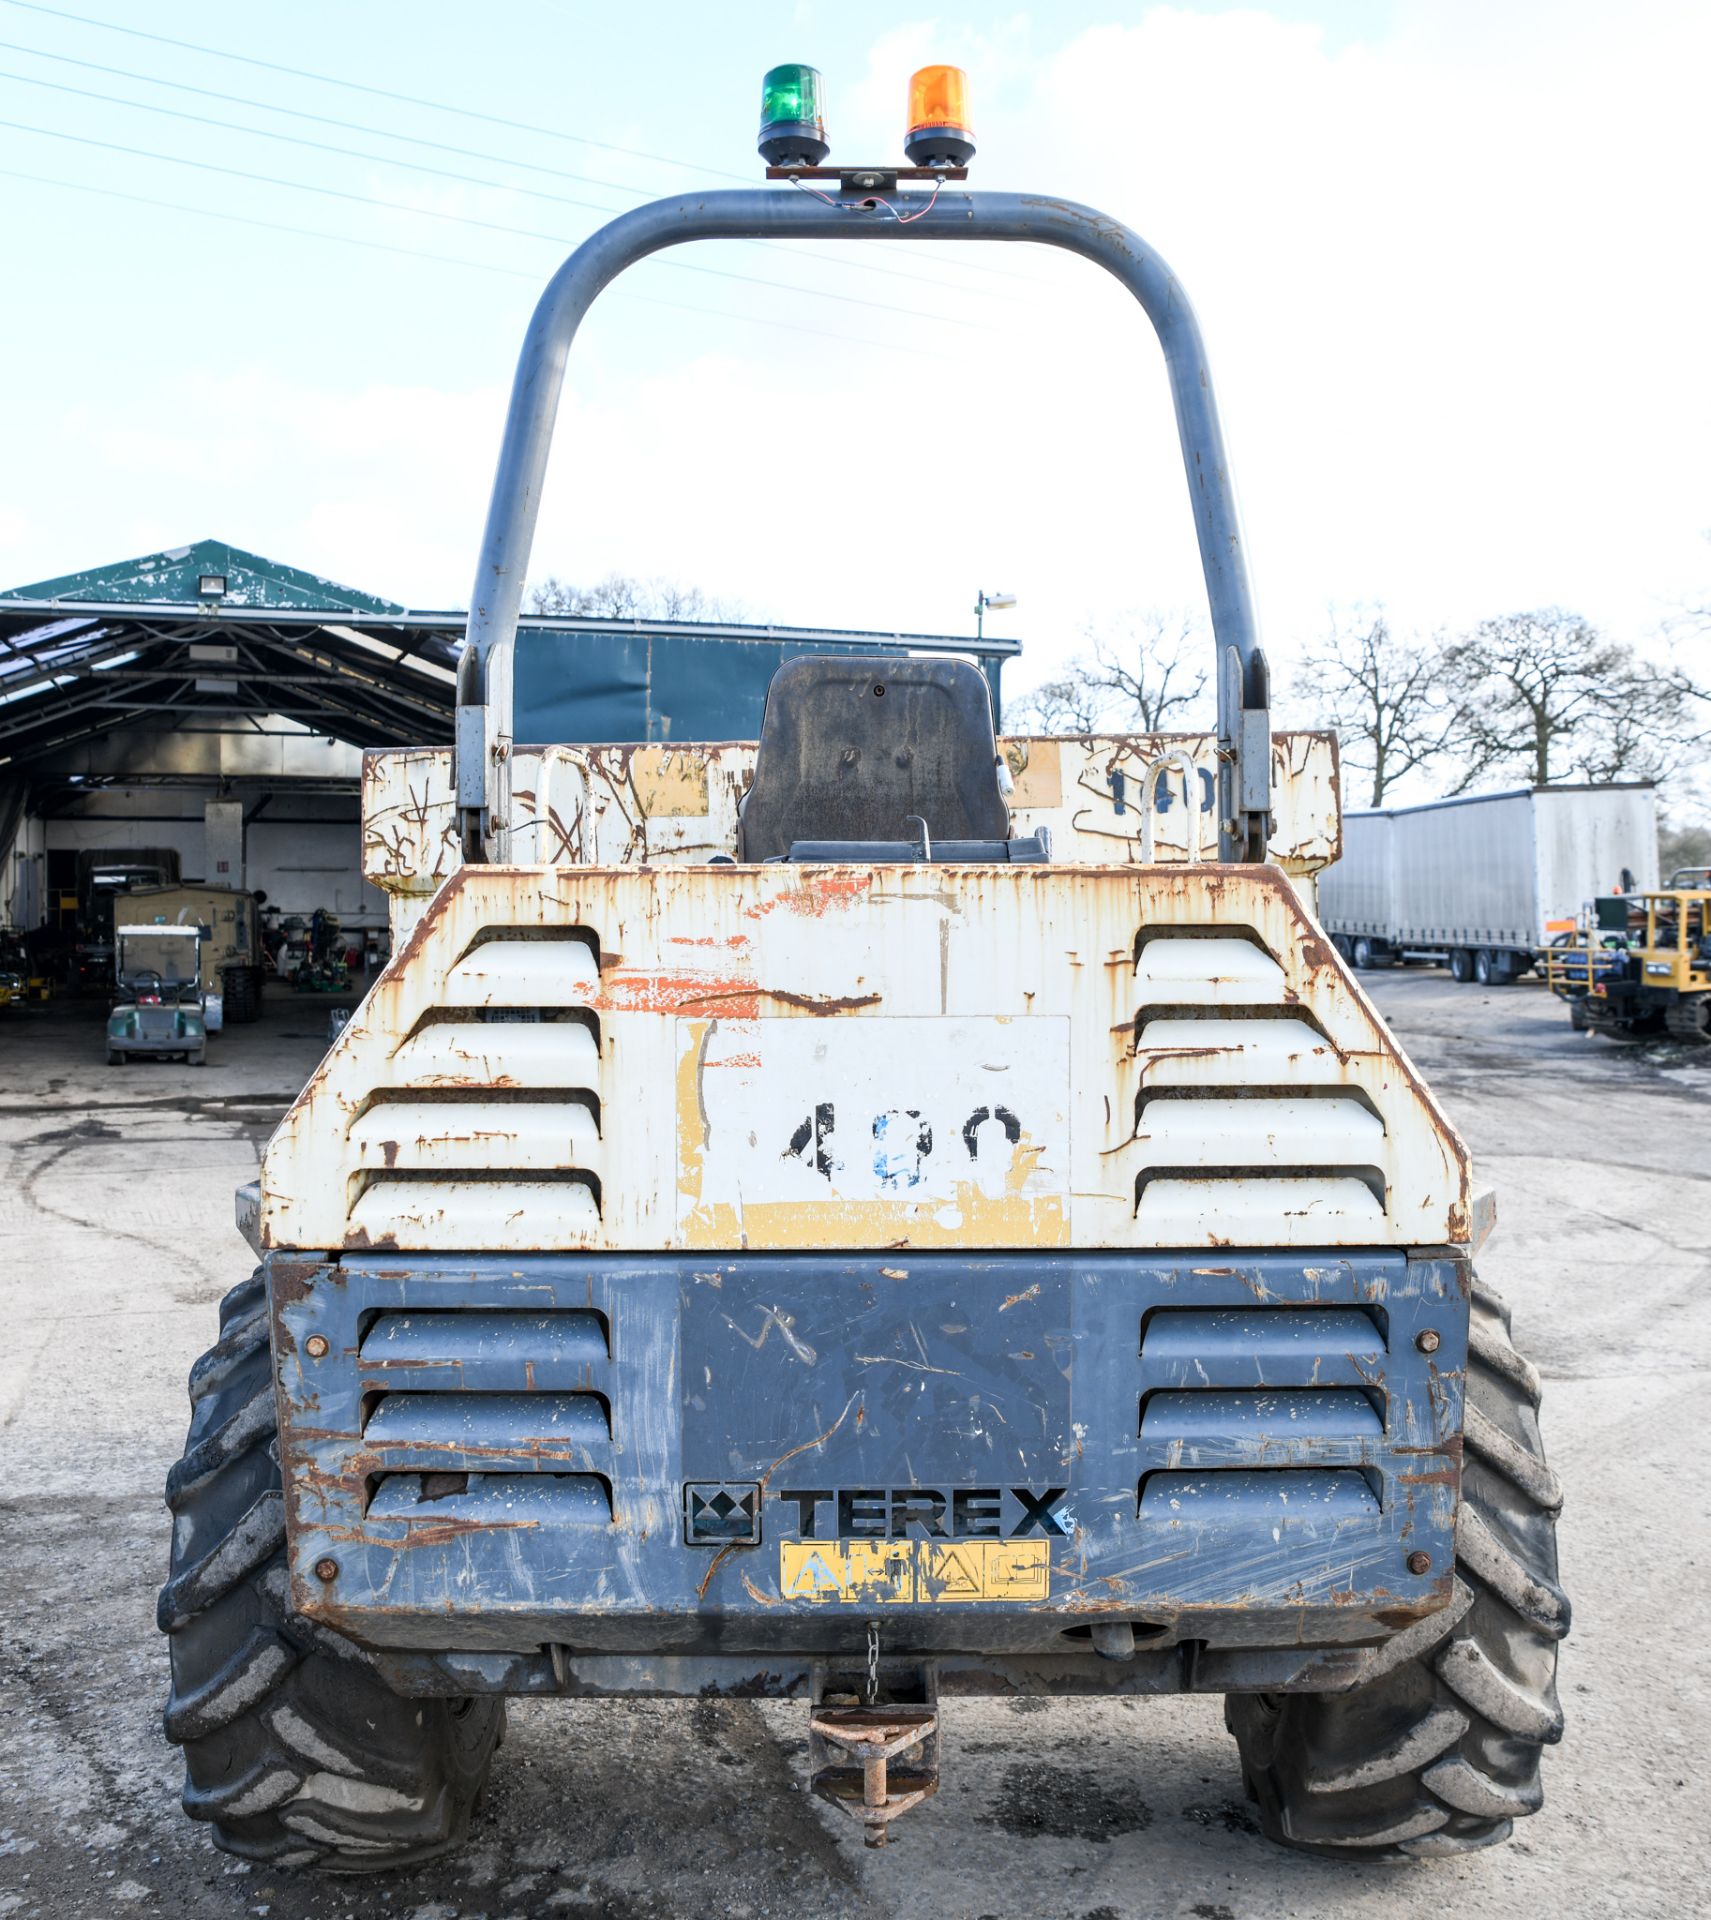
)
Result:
{"points": [[866, 1217]]}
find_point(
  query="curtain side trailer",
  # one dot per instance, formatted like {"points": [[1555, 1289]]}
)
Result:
{"points": [[1485, 883]]}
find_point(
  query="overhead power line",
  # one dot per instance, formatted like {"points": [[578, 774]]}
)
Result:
{"points": [[433, 106], [321, 146], [230, 99], [843, 259], [447, 259], [377, 93], [466, 220]]}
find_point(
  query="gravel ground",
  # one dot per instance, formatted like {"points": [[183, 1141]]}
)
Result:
{"points": [[1061, 1810]]}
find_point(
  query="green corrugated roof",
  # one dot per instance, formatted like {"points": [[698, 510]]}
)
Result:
{"points": [[174, 577]]}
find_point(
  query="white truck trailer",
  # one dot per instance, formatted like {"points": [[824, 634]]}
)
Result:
{"points": [[1484, 883]]}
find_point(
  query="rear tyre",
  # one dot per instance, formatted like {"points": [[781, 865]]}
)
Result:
{"points": [[294, 1751], [1362, 956], [1484, 968], [1461, 965], [1689, 1018], [1437, 1751]]}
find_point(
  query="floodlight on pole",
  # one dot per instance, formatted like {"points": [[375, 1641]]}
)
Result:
{"points": [[983, 600]]}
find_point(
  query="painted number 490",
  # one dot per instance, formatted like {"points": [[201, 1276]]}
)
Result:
{"points": [[901, 1140]]}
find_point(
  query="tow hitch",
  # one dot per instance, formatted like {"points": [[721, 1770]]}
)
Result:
{"points": [[859, 1726]]}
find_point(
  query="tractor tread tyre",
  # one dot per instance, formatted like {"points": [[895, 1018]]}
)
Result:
{"points": [[295, 1751], [1689, 1018], [243, 994], [1436, 1751]]}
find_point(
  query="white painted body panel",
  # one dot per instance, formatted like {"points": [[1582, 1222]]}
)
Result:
{"points": [[1055, 1030], [943, 1113], [622, 806]]}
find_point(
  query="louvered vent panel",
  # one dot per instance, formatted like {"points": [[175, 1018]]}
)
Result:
{"points": [[1244, 1130], [488, 1418], [1271, 1413], [486, 1134]]}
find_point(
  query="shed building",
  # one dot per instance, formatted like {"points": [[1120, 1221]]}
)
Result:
{"points": [[218, 703]]}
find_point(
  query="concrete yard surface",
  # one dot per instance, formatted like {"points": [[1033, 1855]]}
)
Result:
{"points": [[116, 1243]]}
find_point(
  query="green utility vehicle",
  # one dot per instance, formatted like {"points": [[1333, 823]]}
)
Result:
{"points": [[233, 965], [157, 1003]]}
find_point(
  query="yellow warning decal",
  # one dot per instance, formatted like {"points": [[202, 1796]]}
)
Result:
{"points": [[913, 1572]]}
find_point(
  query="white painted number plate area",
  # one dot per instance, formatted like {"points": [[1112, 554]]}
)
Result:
{"points": [[946, 1120]]}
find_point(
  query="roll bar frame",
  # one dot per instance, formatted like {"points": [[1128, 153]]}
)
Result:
{"points": [[483, 738]]}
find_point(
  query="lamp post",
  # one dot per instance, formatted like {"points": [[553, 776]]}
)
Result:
{"points": [[983, 600]]}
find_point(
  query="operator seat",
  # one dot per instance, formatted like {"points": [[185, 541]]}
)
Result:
{"points": [[853, 750]]}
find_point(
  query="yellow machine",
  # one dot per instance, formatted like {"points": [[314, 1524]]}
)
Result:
{"points": [[21, 978], [1639, 964]]}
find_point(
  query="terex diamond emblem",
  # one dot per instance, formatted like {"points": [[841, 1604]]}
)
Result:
{"points": [[716, 1513]]}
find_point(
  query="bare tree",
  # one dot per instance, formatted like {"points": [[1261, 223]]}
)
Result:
{"points": [[1385, 697], [620, 597], [1153, 669], [612, 597], [1645, 727], [1693, 620], [1685, 844], [1544, 695], [1142, 675], [1064, 705]]}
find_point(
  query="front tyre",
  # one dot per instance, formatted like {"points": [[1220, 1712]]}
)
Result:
{"points": [[1437, 1751], [294, 1751]]}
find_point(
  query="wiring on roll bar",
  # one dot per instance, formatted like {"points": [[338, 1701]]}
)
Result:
{"points": [[873, 200]]}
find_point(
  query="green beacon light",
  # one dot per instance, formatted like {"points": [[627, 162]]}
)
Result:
{"points": [[792, 128]]}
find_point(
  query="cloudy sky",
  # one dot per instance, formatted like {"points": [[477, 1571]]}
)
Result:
{"points": [[1449, 256]]}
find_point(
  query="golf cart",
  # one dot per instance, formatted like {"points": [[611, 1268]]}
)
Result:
{"points": [[157, 1007]]}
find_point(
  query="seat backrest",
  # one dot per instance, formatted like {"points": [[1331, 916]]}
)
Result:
{"points": [[851, 748]]}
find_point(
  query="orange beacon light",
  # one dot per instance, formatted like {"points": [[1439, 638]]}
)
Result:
{"points": [[939, 134]]}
